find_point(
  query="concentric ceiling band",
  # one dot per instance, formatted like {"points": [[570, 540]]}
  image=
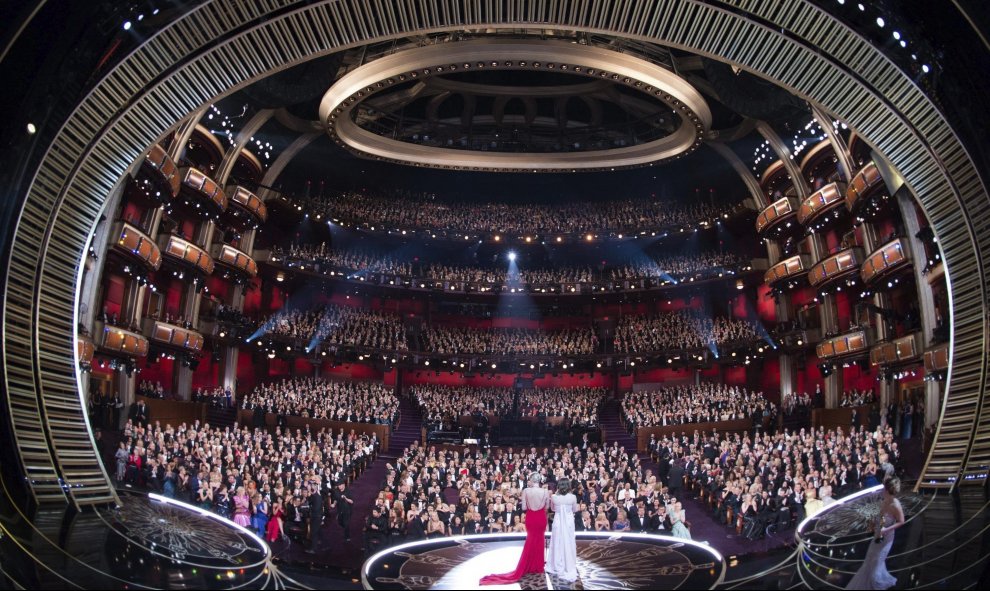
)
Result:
{"points": [[345, 95]]}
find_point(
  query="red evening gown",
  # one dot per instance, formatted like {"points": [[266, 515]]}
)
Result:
{"points": [[274, 525], [532, 559]]}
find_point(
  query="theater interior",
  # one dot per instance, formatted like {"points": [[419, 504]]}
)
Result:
{"points": [[719, 263]]}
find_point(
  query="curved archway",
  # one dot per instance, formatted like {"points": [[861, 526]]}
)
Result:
{"points": [[135, 104]]}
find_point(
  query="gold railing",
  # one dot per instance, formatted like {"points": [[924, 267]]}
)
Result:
{"points": [[835, 267], [885, 260], [128, 240], [186, 252], [905, 348], [846, 345]]}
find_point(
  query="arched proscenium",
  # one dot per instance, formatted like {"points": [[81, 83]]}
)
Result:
{"points": [[222, 45], [515, 54]]}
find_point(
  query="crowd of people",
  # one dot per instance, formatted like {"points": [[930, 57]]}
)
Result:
{"points": [[694, 403], [341, 326], [754, 481], [534, 219], [364, 264], [433, 493], [508, 341], [216, 397], [679, 266], [256, 478], [354, 261], [576, 406], [441, 403], [334, 400], [679, 330]]}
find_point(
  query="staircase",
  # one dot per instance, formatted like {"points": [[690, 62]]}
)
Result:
{"points": [[410, 425], [612, 426], [219, 417]]}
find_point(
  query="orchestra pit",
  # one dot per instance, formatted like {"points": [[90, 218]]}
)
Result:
{"points": [[307, 294]]}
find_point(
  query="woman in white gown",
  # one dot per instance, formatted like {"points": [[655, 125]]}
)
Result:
{"points": [[562, 560], [678, 527], [874, 574]]}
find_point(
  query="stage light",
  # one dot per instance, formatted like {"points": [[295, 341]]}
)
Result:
{"points": [[512, 256]]}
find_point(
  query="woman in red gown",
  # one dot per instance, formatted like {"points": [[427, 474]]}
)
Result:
{"points": [[535, 500], [275, 523]]}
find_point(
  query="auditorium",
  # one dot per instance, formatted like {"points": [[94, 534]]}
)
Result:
{"points": [[405, 294]]}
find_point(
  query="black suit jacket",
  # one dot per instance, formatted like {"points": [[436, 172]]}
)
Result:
{"points": [[675, 479], [316, 507]]}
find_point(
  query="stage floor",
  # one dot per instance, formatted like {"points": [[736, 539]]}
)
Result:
{"points": [[605, 561]]}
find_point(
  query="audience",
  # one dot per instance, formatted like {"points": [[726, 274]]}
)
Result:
{"points": [[471, 492], [679, 330], [508, 341], [368, 266], [340, 325], [754, 481], [355, 402], [207, 466], [701, 403], [629, 215]]}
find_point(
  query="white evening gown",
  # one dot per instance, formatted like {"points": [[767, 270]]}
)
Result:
{"points": [[562, 560], [678, 529], [874, 574]]}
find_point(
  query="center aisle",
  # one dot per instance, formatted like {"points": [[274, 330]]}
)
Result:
{"points": [[332, 550]]}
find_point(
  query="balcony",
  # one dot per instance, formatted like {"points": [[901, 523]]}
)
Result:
{"points": [[836, 267], [775, 178], [158, 178], [862, 187], [235, 260], [187, 254], [822, 207], [906, 348], [174, 336], [85, 350], [121, 341], [791, 269], [203, 193], [778, 215], [887, 261], [852, 344], [937, 359], [135, 244], [245, 205]]}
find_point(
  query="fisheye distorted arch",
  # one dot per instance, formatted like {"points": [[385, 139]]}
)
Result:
{"points": [[136, 104]]}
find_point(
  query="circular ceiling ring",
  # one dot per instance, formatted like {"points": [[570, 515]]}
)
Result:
{"points": [[341, 100]]}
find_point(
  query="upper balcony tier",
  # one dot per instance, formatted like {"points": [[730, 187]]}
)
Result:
{"points": [[567, 281], [864, 185], [186, 253], [852, 344], [235, 260], [246, 207], [135, 244], [789, 271], [174, 336], [157, 180], [887, 261], [203, 193], [841, 265], [822, 207], [778, 217]]}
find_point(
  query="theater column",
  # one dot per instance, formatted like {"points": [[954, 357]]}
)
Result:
{"points": [[926, 299]]}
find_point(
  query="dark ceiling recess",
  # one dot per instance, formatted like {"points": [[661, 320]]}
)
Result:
{"points": [[304, 83], [751, 96]]}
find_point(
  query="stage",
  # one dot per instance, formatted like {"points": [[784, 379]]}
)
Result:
{"points": [[606, 560]]}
